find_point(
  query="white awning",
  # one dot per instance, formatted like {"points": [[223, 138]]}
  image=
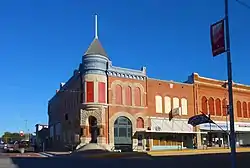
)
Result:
{"points": [[176, 132]]}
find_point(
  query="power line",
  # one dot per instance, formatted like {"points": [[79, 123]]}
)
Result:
{"points": [[243, 4]]}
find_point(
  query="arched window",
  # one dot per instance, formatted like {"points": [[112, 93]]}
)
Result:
{"points": [[137, 96], [167, 101], [176, 103], [184, 106], [128, 95], [218, 107], [244, 109], [239, 112], [249, 109], [118, 94], [211, 106], [139, 123], [224, 107], [204, 105], [158, 104]]}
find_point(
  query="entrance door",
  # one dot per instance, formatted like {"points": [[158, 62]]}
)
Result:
{"points": [[123, 134], [93, 129]]}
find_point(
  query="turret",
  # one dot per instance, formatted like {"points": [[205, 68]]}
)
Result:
{"points": [[93, 70]]}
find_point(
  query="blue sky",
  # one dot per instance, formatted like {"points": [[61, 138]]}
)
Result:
{"points": [[42, 42]]}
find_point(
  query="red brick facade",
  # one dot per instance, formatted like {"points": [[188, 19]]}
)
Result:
{"points": [[213, 97], [138, 100], [129, 108]]}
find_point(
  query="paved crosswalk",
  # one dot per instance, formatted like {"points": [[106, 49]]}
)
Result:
{"points": [[6, 162], [20, 155]]}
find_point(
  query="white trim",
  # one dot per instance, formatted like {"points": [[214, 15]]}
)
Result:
{"points": [[85, 91], [164, 118], [181, 132], [96, 93]]}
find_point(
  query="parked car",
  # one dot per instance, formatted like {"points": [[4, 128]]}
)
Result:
{"points": [[26, 145], [9, 147], [1, 146]]}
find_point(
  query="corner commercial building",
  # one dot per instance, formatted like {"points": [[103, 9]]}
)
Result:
{"points": [[131, 110]]}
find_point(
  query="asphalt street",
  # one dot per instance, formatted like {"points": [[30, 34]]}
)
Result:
{"points": [[196, 161]]}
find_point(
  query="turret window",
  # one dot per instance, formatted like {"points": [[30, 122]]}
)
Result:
{"points": [[90, 91], [101, 92]]}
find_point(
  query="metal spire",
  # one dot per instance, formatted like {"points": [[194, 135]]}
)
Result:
{"points": [[96, 27]]}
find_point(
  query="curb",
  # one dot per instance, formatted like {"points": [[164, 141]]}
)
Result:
{"points": [[183, 153], [44, 154], [115, 155]]}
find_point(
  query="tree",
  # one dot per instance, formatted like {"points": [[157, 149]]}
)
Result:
{"points": [[8, 136]]}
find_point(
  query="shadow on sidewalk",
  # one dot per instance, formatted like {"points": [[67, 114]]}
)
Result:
{"points": [[195, 161]]}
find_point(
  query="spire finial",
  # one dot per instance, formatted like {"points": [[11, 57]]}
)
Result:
{"points": [[96, 27]]}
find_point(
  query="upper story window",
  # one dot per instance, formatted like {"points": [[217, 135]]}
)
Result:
{"points": [[204, 105], [249, 109], [239, 112], [167, 103], [128, 96], [245, 110], [184, 106], [101, 92], [158, 104], [90, 91], [211, 106], [224, 107], [218, 107], [137, 94], [118, 94], [176, 102]]}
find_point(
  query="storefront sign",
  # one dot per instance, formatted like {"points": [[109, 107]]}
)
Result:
{"points": [[244, 127], [175, 125], [214, 127]]}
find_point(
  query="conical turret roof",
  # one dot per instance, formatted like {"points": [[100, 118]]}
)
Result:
{"points": [[96, 48]]}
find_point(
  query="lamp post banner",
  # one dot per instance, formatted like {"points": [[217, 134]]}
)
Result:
{"points": [[217, 35]]}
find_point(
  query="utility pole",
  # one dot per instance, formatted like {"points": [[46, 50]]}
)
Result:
{"points": [[26, 121], [27, 130], [230, 90]]}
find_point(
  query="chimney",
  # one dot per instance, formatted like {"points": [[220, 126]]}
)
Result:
{"points": [[143, 69], [61, 85], [75, 72]]}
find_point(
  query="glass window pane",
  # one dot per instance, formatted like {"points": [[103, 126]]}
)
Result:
{"points": [[122, 132], [116, 132]]}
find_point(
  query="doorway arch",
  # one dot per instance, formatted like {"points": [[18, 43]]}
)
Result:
{"points": [[93, 129], [123, 134]]}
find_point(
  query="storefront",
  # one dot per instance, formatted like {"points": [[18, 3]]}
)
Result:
{"points": [[174, 134], [217, 134], [242, 134]]}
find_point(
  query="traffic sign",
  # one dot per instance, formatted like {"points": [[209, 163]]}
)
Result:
{"points": [[21, 133]]}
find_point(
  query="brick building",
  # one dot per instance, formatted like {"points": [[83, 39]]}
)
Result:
{"points": [[211, 97], [131, 110]]}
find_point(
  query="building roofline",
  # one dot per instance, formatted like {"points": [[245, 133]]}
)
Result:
{"points": [[171, 81], [220, 81], [65, 85]]}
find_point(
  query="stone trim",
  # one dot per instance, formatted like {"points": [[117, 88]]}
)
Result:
{"points": [[135, 107], [145, 120], [112, 121], [125, 84], [85, 114]]}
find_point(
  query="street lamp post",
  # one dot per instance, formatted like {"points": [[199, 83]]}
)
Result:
{"points": [[230, 90]]}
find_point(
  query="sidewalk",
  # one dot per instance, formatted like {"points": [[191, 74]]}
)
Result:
{"points": [[152, 153], [51, 153], [195, 151]]}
